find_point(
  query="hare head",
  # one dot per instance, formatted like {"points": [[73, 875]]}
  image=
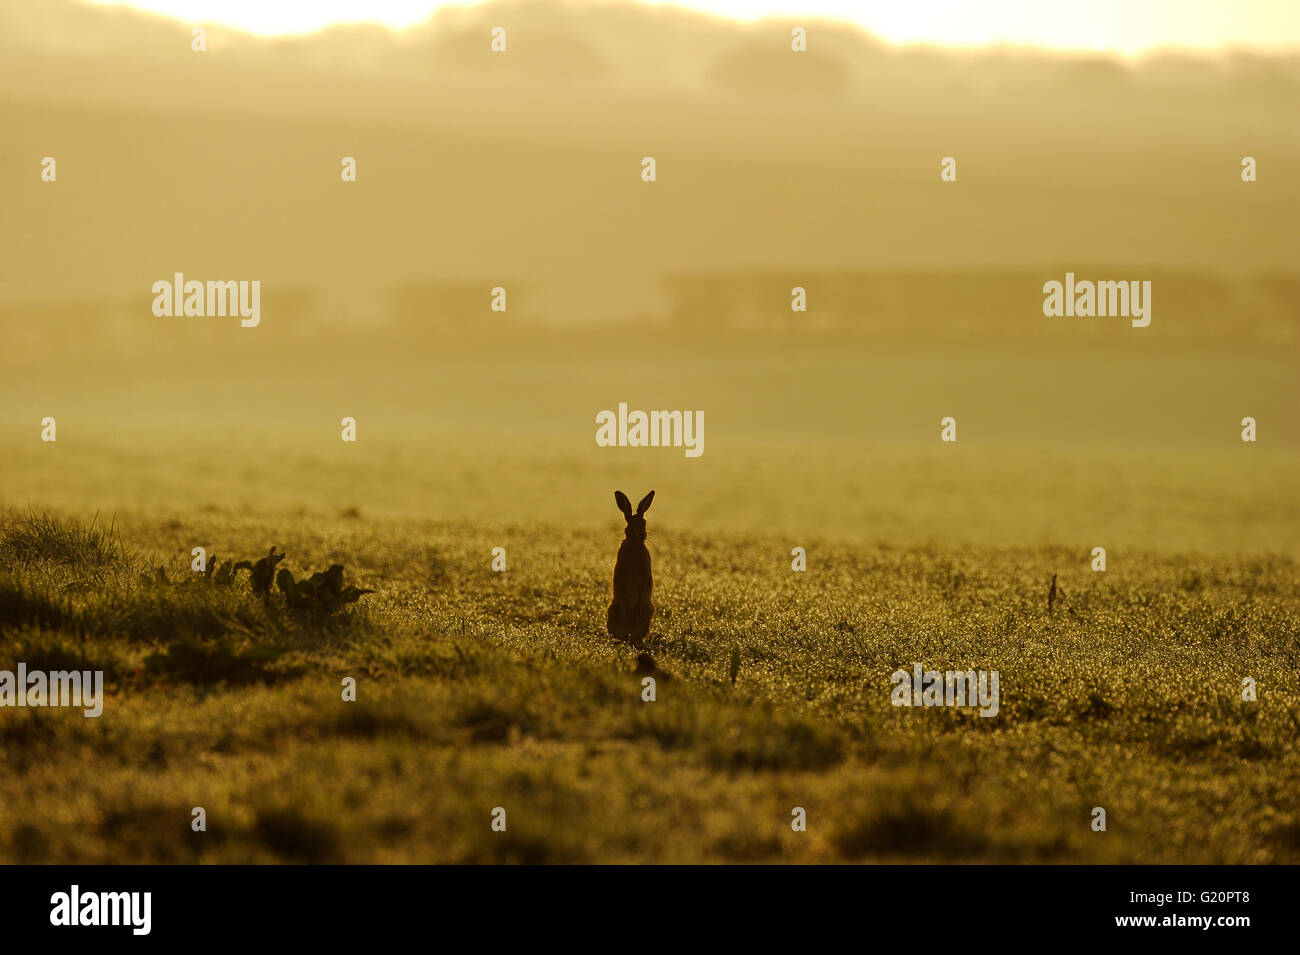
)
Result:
{"points": [[635, 522]]}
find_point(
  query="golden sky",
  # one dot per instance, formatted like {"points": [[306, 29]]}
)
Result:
{"points": [[1123, 26]]}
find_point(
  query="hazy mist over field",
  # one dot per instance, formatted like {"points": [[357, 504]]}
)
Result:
{"points": [[514, 168], [478, 170]]}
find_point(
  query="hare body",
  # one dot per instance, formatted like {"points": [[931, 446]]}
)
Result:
{"points": [[630, 608]]}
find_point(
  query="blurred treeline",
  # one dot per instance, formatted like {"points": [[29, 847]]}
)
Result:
{"points": [[522, 170]]}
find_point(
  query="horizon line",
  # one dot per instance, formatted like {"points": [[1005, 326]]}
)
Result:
{"points": [[432, 9]]}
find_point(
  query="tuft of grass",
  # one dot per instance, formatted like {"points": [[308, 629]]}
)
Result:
{"points": [[42, 537]]}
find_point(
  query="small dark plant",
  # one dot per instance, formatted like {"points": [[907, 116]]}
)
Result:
{"points": [[157, 579], [321, 594], [225, 574], [262, 574]]}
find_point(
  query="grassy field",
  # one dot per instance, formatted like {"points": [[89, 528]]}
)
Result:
{"points": [[1117, 444], [478, 690]]}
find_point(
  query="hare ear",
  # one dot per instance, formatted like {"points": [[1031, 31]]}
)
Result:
{"points": [[645, 504], [624, 504]]}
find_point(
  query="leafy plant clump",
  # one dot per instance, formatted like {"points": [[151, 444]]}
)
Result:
{"points": [[321, 594], [262, 574]]}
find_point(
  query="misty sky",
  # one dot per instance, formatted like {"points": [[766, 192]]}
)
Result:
{"points": [[1126, 26]]}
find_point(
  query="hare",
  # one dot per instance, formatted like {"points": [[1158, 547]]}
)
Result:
{"points": [[630, 610]]}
